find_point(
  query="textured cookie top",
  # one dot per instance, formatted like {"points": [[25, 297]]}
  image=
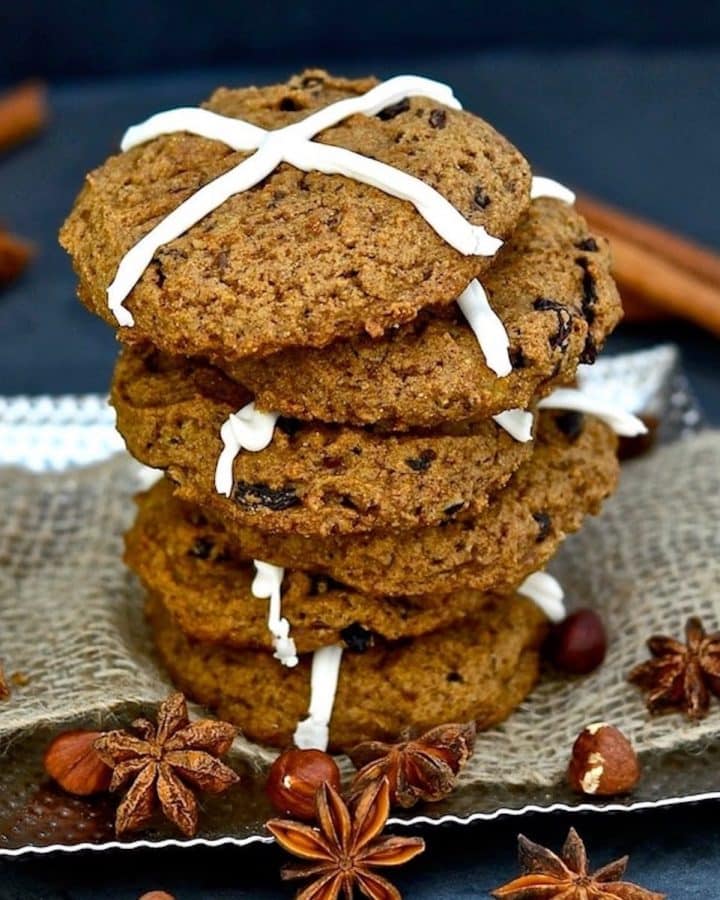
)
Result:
{"points": [[301, 258], [479, 670], [312, 479], [551, 286], [187, 561], [572, 470]]}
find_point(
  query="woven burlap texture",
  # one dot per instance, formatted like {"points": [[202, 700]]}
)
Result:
{"points": [[71, 616]]}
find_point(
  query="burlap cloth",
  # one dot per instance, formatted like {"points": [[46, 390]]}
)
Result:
{"points": [[71, 616]]}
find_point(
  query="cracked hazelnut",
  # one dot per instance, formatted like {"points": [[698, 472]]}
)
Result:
{"points": [[603, 762], [72, 761], [294, 779], [577, 645]]}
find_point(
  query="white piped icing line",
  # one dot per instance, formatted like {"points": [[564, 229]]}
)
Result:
{"points": [[546, 187], [517, 422], [294, 145], [622, 423], [547, 593], [313, 733], [267, 585], [247, 429], [487, 327]]}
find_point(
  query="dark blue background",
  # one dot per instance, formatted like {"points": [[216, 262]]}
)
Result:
{"points": [[90, 37], [626, 104]]}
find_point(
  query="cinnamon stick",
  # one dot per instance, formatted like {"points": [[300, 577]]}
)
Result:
{"points": [[700, 261], [659, 281], [15, 254], [639, 309], [23, 112]]}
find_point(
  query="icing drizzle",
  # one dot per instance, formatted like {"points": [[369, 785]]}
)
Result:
{"points": [[487, 327], [266, 586], [294, 145], [547, 593], [547, 187], [622, 422], [518, 422], [313, 732], [247, 429]]}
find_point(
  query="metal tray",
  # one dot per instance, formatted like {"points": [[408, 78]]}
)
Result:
{"points": [[36, 817]]}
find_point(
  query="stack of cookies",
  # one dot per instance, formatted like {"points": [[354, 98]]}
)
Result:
{"points": [[351, 323]]}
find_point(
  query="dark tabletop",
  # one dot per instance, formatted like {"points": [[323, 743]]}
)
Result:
{"points": [[641, 129]]}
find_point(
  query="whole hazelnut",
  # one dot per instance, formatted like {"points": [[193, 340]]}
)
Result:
{"points": [[156, 895], [603, 762], [72, 761], [577, 645], [294, 779]]}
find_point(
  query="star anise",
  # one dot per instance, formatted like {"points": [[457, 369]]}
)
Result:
{"points": [[681, 675], [162, 760], [344, 849], [424, 768], [547, 876]]}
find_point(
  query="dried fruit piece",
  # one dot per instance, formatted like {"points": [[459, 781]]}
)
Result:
{"points": [[294, 779], [603, 762], [548, 876], [73, 762], [343, 851], [160, 760], [258, 495], [425, 768]]}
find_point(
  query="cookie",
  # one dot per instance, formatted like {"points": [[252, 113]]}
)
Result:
{"points": [[301, 258], [312, 479], [479, 670], [550, 285], [572, 470], [188, 563]]}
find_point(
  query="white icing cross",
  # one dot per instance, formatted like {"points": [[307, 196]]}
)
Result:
{"points": [[294, 145], [313, 733], [547, 593], [266, 586], [518, 422], [247, 429]]}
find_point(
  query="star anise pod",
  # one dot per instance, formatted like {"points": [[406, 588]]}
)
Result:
{"points": [[681, 675], [162, 760], [424, 768], [547, 876], [344, 849]]}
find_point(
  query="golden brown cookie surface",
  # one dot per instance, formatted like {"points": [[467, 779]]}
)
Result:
{"points": [[312, 479], [550, 285], [302, 258], [188, 563], [480, 670], [572, 470]]}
